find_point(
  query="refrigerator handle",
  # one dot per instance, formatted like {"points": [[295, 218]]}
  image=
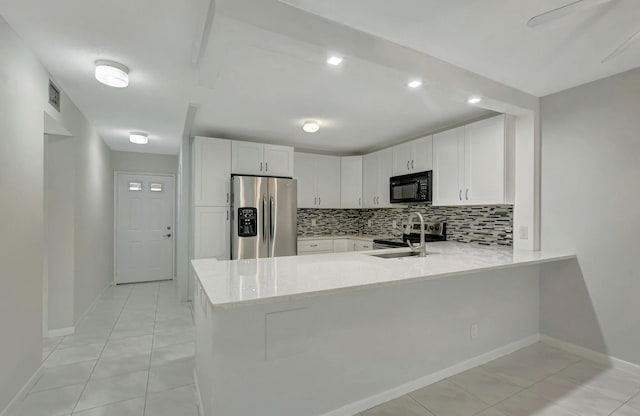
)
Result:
{"points": [[264, 224], [271, 219]]}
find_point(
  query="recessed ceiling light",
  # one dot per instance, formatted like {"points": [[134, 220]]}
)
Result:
{"points": [[139, 138], [334, 60], [112, 74], [311, 126], [414, 84], [474, 100]]}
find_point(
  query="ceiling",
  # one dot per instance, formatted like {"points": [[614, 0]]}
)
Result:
{"points": [[491, 37], [256, 82]]}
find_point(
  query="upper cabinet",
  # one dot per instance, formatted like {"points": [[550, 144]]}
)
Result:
{"points": [[318, 180], [211, 164], [376, 171], [473, 164], [261, 159], [351, 182], [413, 156]]}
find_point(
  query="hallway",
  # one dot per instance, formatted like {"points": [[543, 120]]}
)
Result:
{"points": [[131, 355]]}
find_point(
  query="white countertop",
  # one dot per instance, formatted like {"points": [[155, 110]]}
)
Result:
{"points": [[239, 282], [362, 237]]}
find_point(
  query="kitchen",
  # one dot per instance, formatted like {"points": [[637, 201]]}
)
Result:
{"points": [[515, 291]]}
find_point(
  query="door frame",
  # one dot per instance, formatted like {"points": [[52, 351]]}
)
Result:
{"points": [[115, 218]]}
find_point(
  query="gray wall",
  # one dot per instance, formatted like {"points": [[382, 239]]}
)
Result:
{"points": [[23, 83], [590, 198], [144, 162]]}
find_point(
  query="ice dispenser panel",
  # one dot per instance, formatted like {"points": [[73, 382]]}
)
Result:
{"points": [[247, 222]]}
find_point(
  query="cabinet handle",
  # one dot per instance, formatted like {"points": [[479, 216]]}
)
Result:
{"points": [[460, 194], [260, 166], [313, 245], [315, 200], [227, 197], [319, 201], [412, 164], [227, 215], [266, 166], [466, 194], [407, 165], [359, 201]]}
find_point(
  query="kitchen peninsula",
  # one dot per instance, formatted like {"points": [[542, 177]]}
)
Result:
{"points": [[334, 334]]}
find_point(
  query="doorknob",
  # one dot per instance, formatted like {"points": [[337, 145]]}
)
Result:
{"points": [[167, 235]]}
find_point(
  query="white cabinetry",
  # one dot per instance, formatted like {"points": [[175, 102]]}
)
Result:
{"points": [[315, 247], [211, 233], [351, 182], [376, 171], [261, 159], [472, 164], [413, 156], [211, 171], [361, 245], [318, 180]]}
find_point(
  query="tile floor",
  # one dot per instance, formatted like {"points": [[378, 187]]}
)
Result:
{"points": [[133, 356]]}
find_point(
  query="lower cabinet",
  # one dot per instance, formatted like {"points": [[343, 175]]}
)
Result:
{"points": [[338, 245], [211, 233], [315, 247], [361, 245]]}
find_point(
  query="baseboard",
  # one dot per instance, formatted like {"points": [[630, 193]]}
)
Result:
{"points": [[369, 402], [22, 393], [591, 354], [198, 396], [53, 333]]}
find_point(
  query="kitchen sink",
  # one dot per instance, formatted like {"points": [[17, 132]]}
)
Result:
{"points": [[395, 255]]}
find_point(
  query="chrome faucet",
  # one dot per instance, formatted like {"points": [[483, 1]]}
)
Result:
{"points": [[422, 247]]}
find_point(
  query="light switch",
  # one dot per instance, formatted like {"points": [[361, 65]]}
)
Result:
{"points": [[314, 223]]}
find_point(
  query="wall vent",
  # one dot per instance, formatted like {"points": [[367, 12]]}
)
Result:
{"points": [[54, 96]]}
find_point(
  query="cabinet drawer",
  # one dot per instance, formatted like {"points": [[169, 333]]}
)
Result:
{"points": [[364, 245], [315, 245]]}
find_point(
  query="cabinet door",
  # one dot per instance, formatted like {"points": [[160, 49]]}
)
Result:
{"points": [[363, 245], [370, 180], [385, 168], [402, 157], [448, 167], [211, 233], [422, 154], [278, 160], [485, 162], [328, 181], [211, 171], [305, 174], [351, 182], [340, 245], [247, 158]]}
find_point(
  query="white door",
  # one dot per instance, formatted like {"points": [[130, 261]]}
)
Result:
{"points": [[247, 158], [328, 181], [144, 228], [448, 167], [278, 160]]}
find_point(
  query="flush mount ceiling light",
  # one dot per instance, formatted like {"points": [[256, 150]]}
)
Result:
{"points": [[138, 138], [311, 126], [414, 84], [112, 74], [334, 60], [474, 100]]}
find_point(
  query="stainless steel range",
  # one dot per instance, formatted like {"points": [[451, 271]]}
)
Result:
{"points": [[434, 231]]}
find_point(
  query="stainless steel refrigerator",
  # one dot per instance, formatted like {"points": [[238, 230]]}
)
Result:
{"points": [[263, 217]]}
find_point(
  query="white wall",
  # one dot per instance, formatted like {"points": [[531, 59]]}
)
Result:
{"points": [[590, 203], [23, 83], [60, 229], [144, 162]]}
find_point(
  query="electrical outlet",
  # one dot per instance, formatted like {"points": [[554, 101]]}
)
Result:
{"points": [[395, 224], [314, 223], [474, 331], [523, 232], [370, 223]]}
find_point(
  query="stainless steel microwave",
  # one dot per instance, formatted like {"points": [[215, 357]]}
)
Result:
{"points": [[416, 187]]}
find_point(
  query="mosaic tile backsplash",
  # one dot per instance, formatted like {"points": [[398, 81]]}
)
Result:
{"points": [[489, 225]]}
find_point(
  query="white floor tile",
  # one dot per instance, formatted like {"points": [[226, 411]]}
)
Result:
{"points": [[133, 407], [180, 401], [72, 355], [64, 375], [486, 387], [171, 376], [404, 406], [527, 403], [128, 347], [626, 411], [446, 399], [173, 336], [114, 389], [635, 402], [54, 402], [117, 366], [172, 353], [613, 382]]}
